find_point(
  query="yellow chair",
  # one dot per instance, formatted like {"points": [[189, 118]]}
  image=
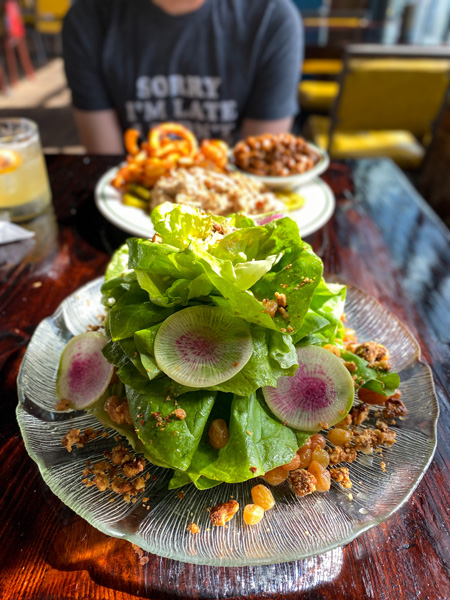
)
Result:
{"points": [[50, 15], [319, 95], [389, 102]]}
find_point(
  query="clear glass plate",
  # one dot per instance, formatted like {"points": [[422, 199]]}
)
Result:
{"points": [[295, 528]]}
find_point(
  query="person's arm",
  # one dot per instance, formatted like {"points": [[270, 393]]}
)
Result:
{"points": [[256, 127], [95, 117], [99, 131]]}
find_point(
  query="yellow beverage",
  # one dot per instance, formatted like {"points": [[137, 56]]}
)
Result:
{"points": [[24, 185]]}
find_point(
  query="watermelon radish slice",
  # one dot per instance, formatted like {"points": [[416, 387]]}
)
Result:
{"points": [[84, 373], [202, 346], [321, 391]]}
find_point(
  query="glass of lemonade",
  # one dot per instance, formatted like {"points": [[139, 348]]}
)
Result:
{"points": [[24, 186]]}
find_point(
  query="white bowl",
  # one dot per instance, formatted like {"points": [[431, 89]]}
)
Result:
{"points": [[291, 182]]}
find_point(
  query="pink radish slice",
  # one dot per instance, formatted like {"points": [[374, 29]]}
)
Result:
{"points": [[321, 391], [84, 373], [202, 346]]}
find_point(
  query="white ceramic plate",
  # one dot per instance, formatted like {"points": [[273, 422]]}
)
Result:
{"points": [[317, 210]]}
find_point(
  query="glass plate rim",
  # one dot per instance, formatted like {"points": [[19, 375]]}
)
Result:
{"points": [[229, 562]]}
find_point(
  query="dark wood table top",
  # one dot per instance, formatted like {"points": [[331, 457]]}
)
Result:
{"points": [[384, 239]]}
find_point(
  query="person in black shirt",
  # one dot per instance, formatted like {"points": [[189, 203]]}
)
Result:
{"points": [[224, 68]]}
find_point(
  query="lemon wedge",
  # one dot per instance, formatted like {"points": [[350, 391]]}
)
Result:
{"points": [[293, 200], [10, 160]]}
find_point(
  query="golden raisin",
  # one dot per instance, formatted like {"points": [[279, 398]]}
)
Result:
{"points": [[323, 478], [253, 513], [317, 440], [339, 437], [218, 434], [304, 453], [276, 476], [294, 464], [321, 456], [262, 496]]}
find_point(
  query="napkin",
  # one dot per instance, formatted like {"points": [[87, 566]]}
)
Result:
{"points": [[9, 232]]}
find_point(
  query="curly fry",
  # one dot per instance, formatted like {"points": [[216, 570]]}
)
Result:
{"points": [[166, 130], [169, 145], [215, 151], [131, 141]]}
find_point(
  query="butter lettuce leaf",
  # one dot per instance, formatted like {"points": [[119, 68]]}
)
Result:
{"points": [[169, 440]]}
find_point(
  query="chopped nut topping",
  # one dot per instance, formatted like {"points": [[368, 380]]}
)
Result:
{"points": [[359, 414], [372, 352], [133, 467], [350, 366], [224, 512], [194, 528], [281, 299], [71, 438], [342, 476], [340, 454], [394, 407], [270, 307], [63, 404], [121, 486], [302, 482], [102, 482], [345, 423], [179, 413], [121, 455], [118, 410]]}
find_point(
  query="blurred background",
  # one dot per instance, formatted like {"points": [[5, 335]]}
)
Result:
{"points": [[375, 82]]}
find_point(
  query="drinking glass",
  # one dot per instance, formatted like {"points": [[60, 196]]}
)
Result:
{"points": [[24, 186]]}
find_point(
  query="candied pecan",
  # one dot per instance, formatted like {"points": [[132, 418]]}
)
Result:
{"points": [[270, 307], [179, 413], [341, 475], [345, 423], [120, 455], [371, 351], [340, 454], [394, 407], [359, 414], [71, 438], [101, 467], [102, 482], [302, 482], [139, 484], [118, 410], [350, 366], [121, 486], [386, 438], [224, 512], [133, 467], [366, 441], [63, 404], [281, 299]]}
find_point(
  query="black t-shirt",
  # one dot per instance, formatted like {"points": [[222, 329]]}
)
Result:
{"points": [[207, 69]]}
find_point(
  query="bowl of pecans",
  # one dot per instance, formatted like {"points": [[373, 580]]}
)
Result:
{"points": [[283, 162]]}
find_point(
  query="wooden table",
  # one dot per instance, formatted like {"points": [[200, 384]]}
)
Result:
{"points": [[384, 239]]}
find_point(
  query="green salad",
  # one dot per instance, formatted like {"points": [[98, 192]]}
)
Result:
{"points": [[218, 320]]}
